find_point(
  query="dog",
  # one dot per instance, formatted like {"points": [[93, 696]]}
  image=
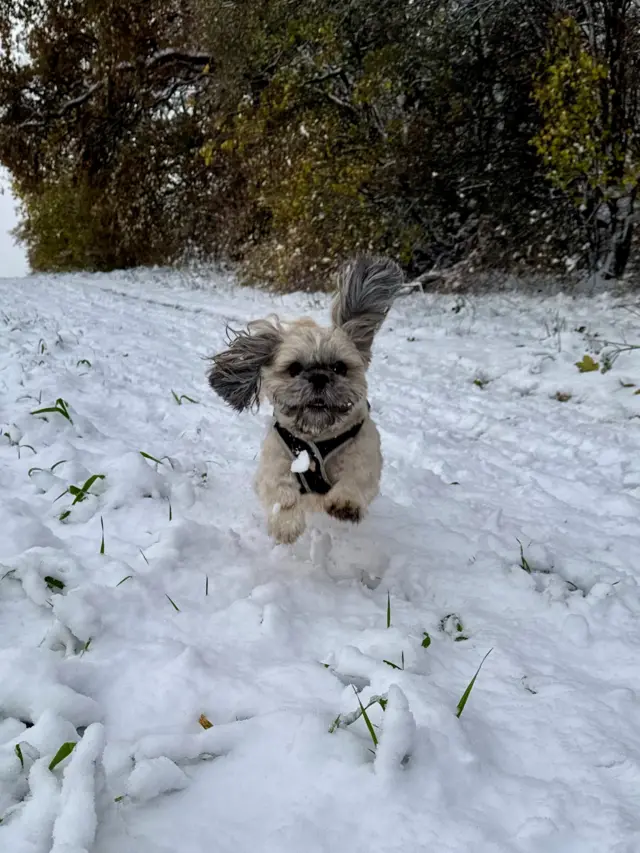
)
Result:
{"points": [[322, 452]]}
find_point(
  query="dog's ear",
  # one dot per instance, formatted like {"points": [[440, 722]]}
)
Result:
{"points": [[367, 288], [235, 373]]}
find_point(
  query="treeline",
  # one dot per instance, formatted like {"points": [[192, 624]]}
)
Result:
{"points": [[283, 135]]}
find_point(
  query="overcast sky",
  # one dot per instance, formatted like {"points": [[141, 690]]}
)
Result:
{"points": [[12, 258]]}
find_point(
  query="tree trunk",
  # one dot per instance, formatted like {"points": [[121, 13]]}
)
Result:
{"points": [[621, 235]]}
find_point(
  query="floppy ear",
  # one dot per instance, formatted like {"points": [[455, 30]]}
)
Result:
{"points": [[367, 288], [236, 372]]}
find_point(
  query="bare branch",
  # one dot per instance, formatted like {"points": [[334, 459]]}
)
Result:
{"points": [[163, 59]]}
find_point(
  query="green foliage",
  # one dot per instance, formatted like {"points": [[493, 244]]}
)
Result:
{"points": [[283, 137], [313, 164], [64, 225], [573, 137]]}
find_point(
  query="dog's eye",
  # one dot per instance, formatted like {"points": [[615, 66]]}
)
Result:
{"points": [[339, 367], [295, 368]]}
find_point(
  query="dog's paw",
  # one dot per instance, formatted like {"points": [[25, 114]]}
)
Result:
{"points": [[286, 525], [344, 507]]}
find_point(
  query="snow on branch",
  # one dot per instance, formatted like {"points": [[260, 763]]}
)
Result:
{"points": [[197, 63]]}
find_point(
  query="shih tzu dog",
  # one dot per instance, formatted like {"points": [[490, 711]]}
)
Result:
{"points": [[322, 452]]}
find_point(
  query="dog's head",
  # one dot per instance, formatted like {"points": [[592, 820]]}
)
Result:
{"points": [[313, 376]]}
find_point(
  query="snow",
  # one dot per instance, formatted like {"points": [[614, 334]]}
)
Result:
{"points": [[154, 776], [493, 442], [301, 463]]}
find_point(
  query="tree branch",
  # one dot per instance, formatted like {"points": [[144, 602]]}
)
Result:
{"points": [[162, 59]]}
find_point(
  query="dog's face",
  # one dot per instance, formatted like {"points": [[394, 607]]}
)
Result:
{"points": [[315, 379], [313, 376]]}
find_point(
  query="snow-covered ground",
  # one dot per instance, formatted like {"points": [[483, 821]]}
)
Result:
{"points": [[191, 611]]}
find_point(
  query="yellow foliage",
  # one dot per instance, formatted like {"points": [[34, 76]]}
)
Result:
{"points": [[573, 141], [313, 171]]}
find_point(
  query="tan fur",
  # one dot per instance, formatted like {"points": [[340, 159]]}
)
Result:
{"points": [[315, 379], [355, 472]]}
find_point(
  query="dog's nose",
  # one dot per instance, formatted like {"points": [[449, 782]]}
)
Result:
{"points": [[318, 380]]}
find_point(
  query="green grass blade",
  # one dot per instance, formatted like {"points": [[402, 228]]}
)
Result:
{"points": [[394, 665], [173, 602], [149, 456], [65, 750], [206, 585], [53, 467], [46, 411], [524, 563], [102, 540], [426, 642], [59, 408], [366, 719], [127, 578], [19, 754], [32, 471], [467, 692], [91, 481], [53, 583], [78, 494], [182, 397], [388, 610], [143, 556]]}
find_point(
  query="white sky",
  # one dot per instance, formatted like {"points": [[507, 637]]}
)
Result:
{"points": [[13, 262]]}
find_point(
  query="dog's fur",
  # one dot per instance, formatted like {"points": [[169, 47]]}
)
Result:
{"points": [[315, 378]]}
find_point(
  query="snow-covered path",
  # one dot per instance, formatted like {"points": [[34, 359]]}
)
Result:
{"points": [[191, 611]]}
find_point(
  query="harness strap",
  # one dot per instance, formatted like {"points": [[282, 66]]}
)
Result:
{"points": [[315, 479]]}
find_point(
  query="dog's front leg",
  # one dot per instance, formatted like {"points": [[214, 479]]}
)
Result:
{"points": [[279, 493], [356, 477]]}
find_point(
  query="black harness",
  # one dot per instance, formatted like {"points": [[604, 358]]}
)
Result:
{"points": [[314, 479]]}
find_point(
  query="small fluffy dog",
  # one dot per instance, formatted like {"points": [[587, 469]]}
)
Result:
{"points": [[322, 452]]}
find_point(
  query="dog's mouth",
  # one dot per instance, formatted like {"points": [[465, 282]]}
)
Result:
{"points": [[321, 406], [318, 406]]}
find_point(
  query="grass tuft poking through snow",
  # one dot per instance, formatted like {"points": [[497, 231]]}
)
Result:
{"points": [[61, 407], [64, 752], [465, 696]]}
